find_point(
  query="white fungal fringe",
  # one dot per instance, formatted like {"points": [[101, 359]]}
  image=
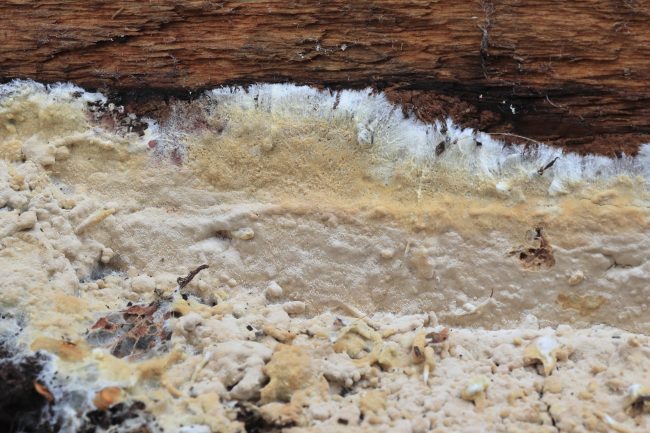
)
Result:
{"points": [[380, 128]]}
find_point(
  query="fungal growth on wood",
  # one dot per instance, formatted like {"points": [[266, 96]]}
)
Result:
{"points": [[357, 276]]}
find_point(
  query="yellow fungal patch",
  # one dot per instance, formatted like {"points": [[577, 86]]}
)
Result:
{"points": [[66, 350], [360, 342], [584, 304], [289, 370]]}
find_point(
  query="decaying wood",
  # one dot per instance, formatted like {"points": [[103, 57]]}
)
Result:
{"points": [[575, 73]]}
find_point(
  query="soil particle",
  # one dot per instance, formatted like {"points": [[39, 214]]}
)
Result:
{"points": [[22, 408], [253, 421], [122, 417]]}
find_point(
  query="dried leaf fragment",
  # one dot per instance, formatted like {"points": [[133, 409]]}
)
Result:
{"points": [[107, 397], [438, 336], [42, 390]]}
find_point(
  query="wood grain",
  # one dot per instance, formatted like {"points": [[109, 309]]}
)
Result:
{"points": [[573, 73]]}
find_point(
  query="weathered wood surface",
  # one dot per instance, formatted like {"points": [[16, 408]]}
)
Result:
{"points": [[573, 72]]}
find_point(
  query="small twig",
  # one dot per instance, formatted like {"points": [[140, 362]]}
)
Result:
{"points": [[184, 281], [547, 166], [357, 314], [516, 136]]}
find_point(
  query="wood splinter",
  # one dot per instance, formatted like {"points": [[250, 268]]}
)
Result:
{"points": [[547, 166], [184, 281]]}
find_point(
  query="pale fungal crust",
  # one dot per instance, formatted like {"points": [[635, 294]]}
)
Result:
{"points": [[240, 367], [330, 245], [244, 234], [273, 290]]}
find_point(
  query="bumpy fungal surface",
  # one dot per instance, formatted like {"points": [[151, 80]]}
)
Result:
{"points": [[283, 258]]}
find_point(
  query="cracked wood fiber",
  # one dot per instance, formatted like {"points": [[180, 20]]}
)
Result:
{"points": [[572, 73]]}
